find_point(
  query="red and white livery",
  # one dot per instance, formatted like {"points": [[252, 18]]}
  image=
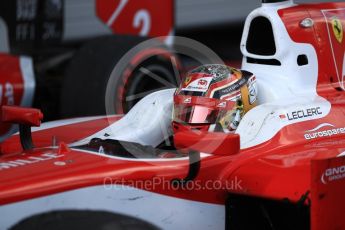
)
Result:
{"points": [[283, 168]]}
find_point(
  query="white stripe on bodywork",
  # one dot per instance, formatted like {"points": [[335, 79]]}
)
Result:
{"points": [[116, 12], [59, 123], [54, 124], [202, 155], [341, 154], [162, 211]]}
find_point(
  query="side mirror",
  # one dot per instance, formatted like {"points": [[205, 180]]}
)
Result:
{"points": [[221, 144], [26, 118], [21, 115]]}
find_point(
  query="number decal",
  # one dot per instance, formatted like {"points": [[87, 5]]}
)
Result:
{"points": [[133, 17], [142, 17], [8, 94], [137, 17]]}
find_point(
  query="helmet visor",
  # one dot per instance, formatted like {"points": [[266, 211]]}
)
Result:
{"points": [[196, 114]]}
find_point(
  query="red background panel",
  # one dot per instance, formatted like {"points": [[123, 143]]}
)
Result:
{"points": [[155, 18]]}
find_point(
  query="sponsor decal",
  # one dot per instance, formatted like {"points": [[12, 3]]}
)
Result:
{"points": [[330, 131], [303, 113], [236, 86], [28, 160], [333, 174], [202, 82], [187, 100], [337, 29], [233, 96], [282, 116], [199, 85]]}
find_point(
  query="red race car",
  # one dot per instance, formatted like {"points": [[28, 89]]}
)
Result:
{"points": [[275, 161]]}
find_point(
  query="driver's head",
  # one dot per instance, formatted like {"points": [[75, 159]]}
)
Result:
{"points": [[213, 98]]}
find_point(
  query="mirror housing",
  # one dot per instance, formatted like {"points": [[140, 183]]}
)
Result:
{"points": [[215, 143], [26, 118], [21, 115]]}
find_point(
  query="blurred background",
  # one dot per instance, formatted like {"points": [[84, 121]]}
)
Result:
{"points": [[218, 23]]}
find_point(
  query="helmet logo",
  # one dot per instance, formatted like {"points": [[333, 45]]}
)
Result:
{"points": [[337, 29], [198, 85], [187, 100], [187, 80], [202, 82]]}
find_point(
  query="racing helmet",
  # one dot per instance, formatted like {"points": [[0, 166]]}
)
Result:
{"points": [[213, 98]]}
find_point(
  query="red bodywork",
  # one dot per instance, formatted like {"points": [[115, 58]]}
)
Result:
{"points": [[330, 52], [214, 143], [11, 85], [261, 169], [327, 201], [145, 17], [327, 194]]}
